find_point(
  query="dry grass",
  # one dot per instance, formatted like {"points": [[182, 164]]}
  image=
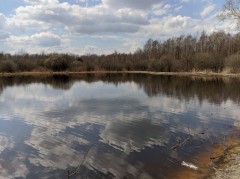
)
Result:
{"points": [[43, 71]]}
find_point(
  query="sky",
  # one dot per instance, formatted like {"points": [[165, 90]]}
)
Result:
{"points": [[102, 26]]}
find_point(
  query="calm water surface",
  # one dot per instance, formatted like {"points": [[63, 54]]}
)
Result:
{"points": [[122, 126]]}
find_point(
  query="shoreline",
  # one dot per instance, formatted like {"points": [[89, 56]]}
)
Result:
{"points": [[194, 74], [229, 166], [221, 160], [217, 161]]}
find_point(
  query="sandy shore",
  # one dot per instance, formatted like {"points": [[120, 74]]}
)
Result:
{"points": [[230, 167]]}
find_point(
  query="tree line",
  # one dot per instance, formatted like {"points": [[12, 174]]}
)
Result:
{"points": [[215, 52]]}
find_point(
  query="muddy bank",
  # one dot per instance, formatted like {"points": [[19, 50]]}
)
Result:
{"points": [[230, 166]]}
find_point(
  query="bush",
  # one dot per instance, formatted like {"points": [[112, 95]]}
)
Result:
{"points": [[140, 65], [8, 66], [57, 63], [76, 66], [167, 63], [156, 65], [26, 65], [204, 61], [233, 63]]}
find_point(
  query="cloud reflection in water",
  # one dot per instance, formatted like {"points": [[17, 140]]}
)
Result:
{"points": [[118, 122]]}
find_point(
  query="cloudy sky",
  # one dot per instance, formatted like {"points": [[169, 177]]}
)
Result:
{"points": [[101, 26]]}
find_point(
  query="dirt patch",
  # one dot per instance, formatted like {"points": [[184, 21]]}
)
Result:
{"points": [[230, 166]]}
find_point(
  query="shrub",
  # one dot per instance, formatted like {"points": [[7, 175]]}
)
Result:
{"points": [[8, 66], [204, 61], [57, 63], [156, 65], [89, 66], [233, 63], [26, 65], [76, 66], [167, 63], [140, 65]]}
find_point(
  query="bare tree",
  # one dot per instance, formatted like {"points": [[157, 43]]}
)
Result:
{"points": [[231, 10]]}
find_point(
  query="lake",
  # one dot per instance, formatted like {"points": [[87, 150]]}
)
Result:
{"points": [[114, 125]]}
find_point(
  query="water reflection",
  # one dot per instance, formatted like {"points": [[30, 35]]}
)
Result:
{"points": [[129, 122]]}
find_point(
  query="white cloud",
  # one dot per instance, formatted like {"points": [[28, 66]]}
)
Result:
{"points": [[178, 8], [172, 26], [185, 1], [177, 22], [41, 1], [132, 45], [90, 49], [161, 9], [3, 32], [2, 20], [80, 19], [133, 4], [167, 25], [207, 10], [3, 35], [46, 39], [43, 41]]}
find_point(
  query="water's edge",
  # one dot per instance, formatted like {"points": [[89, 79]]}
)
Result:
{"points": [[201, 74]]}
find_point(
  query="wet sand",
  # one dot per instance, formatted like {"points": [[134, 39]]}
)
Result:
{"points": [[230, 166]]}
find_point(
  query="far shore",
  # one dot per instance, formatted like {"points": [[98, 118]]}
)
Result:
{"points": [[197, 74]]}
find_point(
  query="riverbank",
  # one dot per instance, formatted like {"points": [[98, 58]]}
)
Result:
{"points": [[229, 166], [201, 74], [217, 161]]}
